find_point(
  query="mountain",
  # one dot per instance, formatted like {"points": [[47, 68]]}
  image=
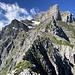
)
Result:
{"points": [[44, 45], [56, 13]]}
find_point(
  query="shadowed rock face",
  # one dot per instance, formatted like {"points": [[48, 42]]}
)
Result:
{"points": [[57, 30], [67, 16], [9, 37], [47, 58], [12, 29], [16, 25], [38, 55]]}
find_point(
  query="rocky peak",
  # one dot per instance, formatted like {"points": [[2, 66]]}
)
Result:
{"points": [[13, 28], [54, 12], [67, 16], [15, 24], [14, 20], [56, 6]]}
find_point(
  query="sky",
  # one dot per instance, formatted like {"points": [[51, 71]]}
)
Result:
{"points": [[27, 9]]}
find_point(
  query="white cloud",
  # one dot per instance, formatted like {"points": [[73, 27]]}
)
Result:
{"points": [[34, 11], [13, 11], [29, 17], [8, 12], [1, 25]]}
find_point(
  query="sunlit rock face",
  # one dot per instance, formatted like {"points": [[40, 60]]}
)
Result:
{"points": [[52, 12], [67, 16], [55, 13]]}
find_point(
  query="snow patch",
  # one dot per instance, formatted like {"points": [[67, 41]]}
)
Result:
{"points": [[36, 22], [14, 28]]}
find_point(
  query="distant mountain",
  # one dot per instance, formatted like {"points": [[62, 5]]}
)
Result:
{"points": [[44, 45]]}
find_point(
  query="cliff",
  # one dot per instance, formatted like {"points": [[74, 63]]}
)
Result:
{"points": [[46, 47], [55, 13]]}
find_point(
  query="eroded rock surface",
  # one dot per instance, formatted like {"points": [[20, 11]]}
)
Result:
{"points": [[44, 45], [54, 12]]}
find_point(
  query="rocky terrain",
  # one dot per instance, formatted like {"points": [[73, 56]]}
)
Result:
{"points": [[44, 45], [56, 13]]}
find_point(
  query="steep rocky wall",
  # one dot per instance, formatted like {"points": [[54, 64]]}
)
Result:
{"points": [[67, 16], [51, 60], [54, 13]]}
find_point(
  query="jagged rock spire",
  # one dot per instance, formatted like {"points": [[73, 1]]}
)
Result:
{"points": [[54, 11]]}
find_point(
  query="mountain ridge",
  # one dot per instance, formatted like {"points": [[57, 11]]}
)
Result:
{"points": [[55, 12], [44, 45]]}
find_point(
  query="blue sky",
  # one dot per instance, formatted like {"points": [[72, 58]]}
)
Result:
{"points": [[43, 5], [27, 9]]}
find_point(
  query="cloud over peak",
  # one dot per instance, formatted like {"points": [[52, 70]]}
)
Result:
{"points": [[8, 12]]}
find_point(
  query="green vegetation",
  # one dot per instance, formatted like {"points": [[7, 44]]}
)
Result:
{"points": [[19, 71], [63, 24], [48, 25], [43, 26], [39, 27], [3, 73], [62, 42], [17, 47], [71, 36], [14, 51], [69, 44], [8, 62], [42, 39], [69, 27], [22, 65], [6, 66], [20, 36], [57, 41]]}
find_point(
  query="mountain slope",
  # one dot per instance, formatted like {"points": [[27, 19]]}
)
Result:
{"points": [[46, 47]]}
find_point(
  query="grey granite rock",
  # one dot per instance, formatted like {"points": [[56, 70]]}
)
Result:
{"points": [[54, 12], [67, 16]]}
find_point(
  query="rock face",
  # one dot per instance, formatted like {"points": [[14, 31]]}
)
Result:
{"points": [[44, 55], [55, 29], [54, 13], [39, 48], [67, 16], [38, 55]]}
